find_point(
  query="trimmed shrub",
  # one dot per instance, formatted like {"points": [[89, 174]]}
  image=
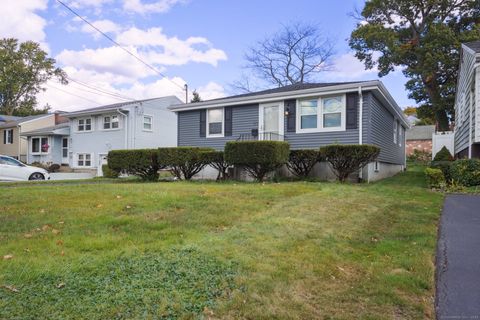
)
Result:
{"points": [[301, 162], [109, 173], [258, 157], [420, 156], [443, 155], [445, 166], [53, 167], [184, 161], [140, 162], [466, 172], [348, 158], [435, 178], [217, 160]]}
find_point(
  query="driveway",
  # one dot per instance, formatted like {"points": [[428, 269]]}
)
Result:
{"points": [[458, 259]]}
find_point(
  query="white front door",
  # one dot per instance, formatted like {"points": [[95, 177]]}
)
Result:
{"points": [[102, 159], [65, 150], [271, 121]]}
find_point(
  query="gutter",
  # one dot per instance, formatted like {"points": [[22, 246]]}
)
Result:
{"points": [[125, 125]]}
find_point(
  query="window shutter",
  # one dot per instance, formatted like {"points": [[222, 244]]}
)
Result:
{"points": [[4, 136], [291, 107], [228, 121], [11, 137], [352, 110], [203, 123]]}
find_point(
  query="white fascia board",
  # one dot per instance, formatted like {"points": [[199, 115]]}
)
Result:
{"points": [[94, 112], [272, 96]]}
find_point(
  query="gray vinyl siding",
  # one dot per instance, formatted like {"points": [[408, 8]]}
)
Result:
{"points": [[377, 130], [244, 119], [314, 140], [380, 132]]}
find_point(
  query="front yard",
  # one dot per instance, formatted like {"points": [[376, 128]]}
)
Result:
{"points": [[300, 250]]}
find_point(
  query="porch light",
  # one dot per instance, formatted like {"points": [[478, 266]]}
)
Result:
{"points": [[287, 111]]}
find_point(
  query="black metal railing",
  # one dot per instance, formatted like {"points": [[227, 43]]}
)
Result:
{"points": [[266, 136]]}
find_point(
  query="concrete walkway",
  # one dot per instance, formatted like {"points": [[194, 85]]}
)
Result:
{"points": [[458, 259]]}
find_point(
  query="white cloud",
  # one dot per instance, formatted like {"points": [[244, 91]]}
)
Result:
{"points": [[347, 67], [96, 4], [107, 26], [211, 90], [110, 60], [159, 6], [20, 19], [161, 49]]}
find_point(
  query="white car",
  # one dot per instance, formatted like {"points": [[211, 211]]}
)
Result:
{"points": [[14, 170]]}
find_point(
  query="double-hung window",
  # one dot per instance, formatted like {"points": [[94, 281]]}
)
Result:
{"points": [[39, 145], [84, 160], [332, 112], [147, 123], [8, 136], [110, 122], [308, 114], [215, 122], [84, 124], [321, 114]]}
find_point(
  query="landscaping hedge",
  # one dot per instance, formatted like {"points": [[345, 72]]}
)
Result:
{"points": [[216, 159], [301, 162], [140, 162], [466, 172], [435, 178], [446, 167], [109, 173], [258, 157], [184, 162], [346, 159], [443, 155]]}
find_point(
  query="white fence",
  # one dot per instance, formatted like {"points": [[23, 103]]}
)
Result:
{"points": [[443, 139]]}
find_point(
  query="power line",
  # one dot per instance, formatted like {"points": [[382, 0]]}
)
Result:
{"points": [[100, 91], [73, 94], [118, 45]]}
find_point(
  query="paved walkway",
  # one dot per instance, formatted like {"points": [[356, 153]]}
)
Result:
{"points": [[70, 176], [458, 259]]}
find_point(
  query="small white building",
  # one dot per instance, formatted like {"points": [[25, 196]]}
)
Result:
{"points": [[130, 125]]}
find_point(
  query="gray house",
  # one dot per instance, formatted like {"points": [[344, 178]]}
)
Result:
{"points": [[305, 115], [129, 125], [467, 102]]}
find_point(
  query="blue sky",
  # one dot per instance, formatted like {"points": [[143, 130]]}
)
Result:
{"points": [[201, 42]]}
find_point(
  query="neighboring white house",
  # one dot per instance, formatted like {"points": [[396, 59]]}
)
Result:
{"points": [[130, 125], [467, 102]]}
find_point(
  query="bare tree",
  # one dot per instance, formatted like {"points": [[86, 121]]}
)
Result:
{"points": [[293, 55]]}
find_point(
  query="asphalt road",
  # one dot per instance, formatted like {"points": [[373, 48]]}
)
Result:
{"points": [[458, 259]]}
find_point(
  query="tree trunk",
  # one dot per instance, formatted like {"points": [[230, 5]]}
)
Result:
{"points": [[441, 117]]}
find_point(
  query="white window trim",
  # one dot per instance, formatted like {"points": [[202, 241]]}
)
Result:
{"points": [[400, 134], [84, 131], [151, 123], [217, 135], [40, 152], [9, 133], [395, 130], [320, 127], [84, 153], [111, 117]]}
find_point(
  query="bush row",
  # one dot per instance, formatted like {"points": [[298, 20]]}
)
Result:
{"points": [[465, 172], [258, 158]]}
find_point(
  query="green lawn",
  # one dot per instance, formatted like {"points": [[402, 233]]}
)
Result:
{"points": [[188, 250]]}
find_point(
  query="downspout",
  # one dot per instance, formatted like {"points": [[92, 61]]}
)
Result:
{"points": [[126, 127], [20, 143], [134, 138], [360, 124], [470, 124]]}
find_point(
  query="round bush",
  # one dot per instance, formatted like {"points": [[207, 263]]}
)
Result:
{"points": [[443, 155], [466, 172], [258, 157]]}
